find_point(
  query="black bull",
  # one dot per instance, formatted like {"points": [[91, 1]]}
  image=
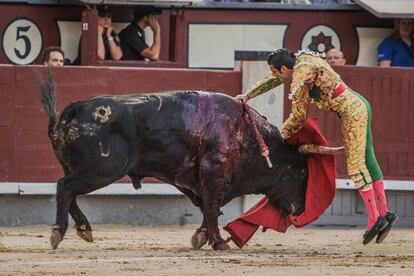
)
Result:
{"points": [[201, 143]]}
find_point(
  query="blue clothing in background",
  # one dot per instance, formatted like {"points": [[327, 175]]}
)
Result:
{"points": [[397, 51]]}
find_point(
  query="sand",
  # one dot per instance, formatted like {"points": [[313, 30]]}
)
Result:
{"points": [[166, 250]]}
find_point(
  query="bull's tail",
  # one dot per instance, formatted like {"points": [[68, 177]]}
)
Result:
{"points": [[47, 97]]}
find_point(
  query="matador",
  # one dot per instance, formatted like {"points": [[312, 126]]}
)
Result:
{"points": [[312, 80]]}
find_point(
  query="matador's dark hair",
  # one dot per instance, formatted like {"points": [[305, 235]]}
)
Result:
{"points": [[282, 57]]}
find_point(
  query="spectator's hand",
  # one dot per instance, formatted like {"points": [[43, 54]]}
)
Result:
{"points": [[100, 30], [244, 98], [154, 24], [108, 31]]}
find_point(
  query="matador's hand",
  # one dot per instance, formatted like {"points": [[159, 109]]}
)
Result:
{"points": [[244, 98]]}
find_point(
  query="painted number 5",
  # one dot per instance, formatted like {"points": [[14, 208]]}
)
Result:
{"points": [[22, 41], [26, 40]]}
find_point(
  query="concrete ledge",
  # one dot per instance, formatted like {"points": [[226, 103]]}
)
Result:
{"points": [[23, 188], [125, 209]]}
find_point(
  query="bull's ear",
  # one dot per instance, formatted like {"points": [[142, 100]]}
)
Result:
{"points": [[317, 149]]}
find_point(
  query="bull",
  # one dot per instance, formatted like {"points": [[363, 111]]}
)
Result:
{"points": [[199, 142]]}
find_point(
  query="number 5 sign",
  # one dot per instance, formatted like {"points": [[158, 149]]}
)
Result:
{"points": [[22, 41]]}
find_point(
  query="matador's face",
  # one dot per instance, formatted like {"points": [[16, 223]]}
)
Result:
{"points": [[285, 74]]}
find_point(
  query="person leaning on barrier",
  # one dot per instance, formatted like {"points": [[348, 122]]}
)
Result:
{"points": [[312, 79], [335, 57], [108, 47], [398, 48], [53, 56], [132, 37], [108, 40]]}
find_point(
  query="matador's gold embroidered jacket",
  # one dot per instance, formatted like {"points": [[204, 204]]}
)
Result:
{"points": [[313, 80]]}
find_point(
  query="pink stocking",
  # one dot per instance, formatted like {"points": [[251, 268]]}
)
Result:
{"points": [[370, 205], [380, 194]]}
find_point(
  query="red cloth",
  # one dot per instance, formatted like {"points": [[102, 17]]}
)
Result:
{"points": [[319, 194]]}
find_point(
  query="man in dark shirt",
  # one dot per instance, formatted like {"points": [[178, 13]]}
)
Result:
{"points": [[132, 37]]}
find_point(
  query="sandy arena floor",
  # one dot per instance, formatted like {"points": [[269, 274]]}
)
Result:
{"points": [[166, 250]]}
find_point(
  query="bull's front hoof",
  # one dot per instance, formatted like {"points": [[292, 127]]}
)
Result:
{"points": [[199, 238], [221, 246], [85, 235], [55, 239]]}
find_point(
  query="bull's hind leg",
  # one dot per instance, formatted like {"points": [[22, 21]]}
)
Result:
{"points": [[64, 197], [68, 188], [212, 186], [83, 228]]}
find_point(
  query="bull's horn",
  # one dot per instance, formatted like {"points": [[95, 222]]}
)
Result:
{"points": [[311, 148]]}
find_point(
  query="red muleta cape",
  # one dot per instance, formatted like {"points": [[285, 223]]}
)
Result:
{"points": [[319, 194]]}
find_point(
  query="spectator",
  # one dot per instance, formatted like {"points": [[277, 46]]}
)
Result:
{"points": [[53, 56], [108, 47], [108, 40], [335, 57], [132, 37], [398, 48]]}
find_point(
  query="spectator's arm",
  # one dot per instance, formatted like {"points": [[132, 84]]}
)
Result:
{"points": [[385, 53], [113, 41], [385, 63], [153, 52], [101, 47]]}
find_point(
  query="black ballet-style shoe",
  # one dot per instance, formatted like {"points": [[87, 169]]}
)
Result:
{"points": [[379, 225], [392, 219]]}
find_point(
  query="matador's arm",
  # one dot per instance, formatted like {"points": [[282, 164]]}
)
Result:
{"points": [[303, 74], [299, 113], [263, 86]]}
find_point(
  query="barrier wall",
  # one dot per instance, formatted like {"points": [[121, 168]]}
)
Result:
{"points": [[25, 151]]}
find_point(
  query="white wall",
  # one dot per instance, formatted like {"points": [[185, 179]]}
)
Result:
{"points": [[213, 45], [369, 39]]}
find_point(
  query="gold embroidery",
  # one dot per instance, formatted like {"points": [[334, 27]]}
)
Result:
{"points": [[309, 71], [263, 86], [354, 116], [309, 52], [298, 114]]}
